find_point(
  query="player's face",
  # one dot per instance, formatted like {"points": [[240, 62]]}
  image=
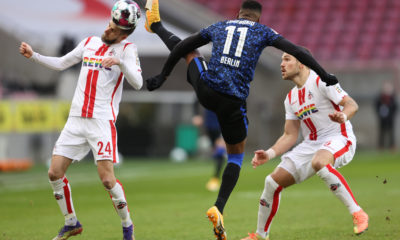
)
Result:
{"points": [[112, 34], [290, 67]]}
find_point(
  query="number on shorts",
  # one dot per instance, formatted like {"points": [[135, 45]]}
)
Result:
{"points": [[107, 148]]}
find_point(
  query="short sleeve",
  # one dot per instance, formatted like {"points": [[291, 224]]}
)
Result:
{"points": [[206, 33], [334, 92], [270, 35], [289, 113]]}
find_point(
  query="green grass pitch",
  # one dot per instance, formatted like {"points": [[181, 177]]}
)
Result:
{"points": [[168, 201]]}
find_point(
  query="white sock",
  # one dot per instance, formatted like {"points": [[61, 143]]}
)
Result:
{"points": [[269, 204], [338, 185], [121, 206], [62, 193]]}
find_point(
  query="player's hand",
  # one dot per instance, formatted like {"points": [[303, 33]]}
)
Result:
{"points": [[338, 117], [110, 61], [260, 157], [155, 82], [330, 79], [25, 50]]}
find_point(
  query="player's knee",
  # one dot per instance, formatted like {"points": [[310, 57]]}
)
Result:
{"points": [[270, 183], [54, 175], [317, 164], [108, 182]]}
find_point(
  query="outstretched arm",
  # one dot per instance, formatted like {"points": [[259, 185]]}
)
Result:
{"points": [[180, 50], [282, 145], [56, 63], [305, 57]]}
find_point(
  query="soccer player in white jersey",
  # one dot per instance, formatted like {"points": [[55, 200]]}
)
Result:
{"points": [[106, 61], [322, 115]]}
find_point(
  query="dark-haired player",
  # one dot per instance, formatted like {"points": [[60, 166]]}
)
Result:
{"points": [[320, 113], [222, 85], [106, 62]]}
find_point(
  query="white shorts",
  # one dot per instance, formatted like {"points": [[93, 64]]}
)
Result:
{"points": [[298, 161], [82, 134]]}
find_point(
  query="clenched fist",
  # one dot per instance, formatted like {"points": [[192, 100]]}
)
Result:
{"points": [[26, 50]]}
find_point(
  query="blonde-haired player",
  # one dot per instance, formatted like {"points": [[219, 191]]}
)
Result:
{"points": [[321, 113], [106, 61]]}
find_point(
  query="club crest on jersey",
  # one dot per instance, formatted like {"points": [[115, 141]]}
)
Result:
{"points": [[306, 111], [111, 53], [310, 95], [93, 62]]}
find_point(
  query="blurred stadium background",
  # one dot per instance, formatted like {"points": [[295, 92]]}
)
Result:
{"points": [[359, 41]]}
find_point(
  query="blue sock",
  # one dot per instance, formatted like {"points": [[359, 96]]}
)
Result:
{"points": [[236, 159], [219, 152]]}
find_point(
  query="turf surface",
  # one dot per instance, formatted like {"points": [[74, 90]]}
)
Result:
{"points": [[169, 200]]}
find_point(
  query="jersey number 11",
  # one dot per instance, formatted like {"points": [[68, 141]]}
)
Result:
{"points": [[228, 41]]}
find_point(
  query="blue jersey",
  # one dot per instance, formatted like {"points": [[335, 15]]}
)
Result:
{"points": [[237, 45]]}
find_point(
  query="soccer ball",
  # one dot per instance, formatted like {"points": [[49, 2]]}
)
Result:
{"points": [[125, 14]]}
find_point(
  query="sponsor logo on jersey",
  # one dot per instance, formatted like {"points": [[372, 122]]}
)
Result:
{"points": [[338, 89], [93, 62], [335, 186], [121, 205], [328, 145], [244, 22], [306, 111], [264, 203]]}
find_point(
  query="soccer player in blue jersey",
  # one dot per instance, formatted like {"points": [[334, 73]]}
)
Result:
{"points": [[222, 85]]}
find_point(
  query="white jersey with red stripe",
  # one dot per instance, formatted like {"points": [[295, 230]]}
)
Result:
{"points": [[99, 89], [311, 104]]}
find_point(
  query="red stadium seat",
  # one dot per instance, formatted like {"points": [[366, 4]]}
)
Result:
{"points": [[332, 29]]}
